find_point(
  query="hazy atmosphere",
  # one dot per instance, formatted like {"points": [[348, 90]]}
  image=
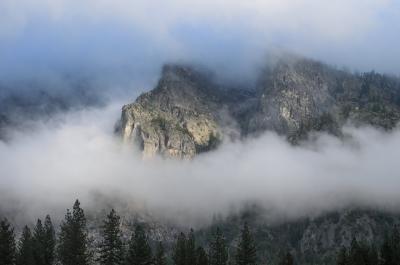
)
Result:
{"points": [[126, 42], [116, 50], [77, 155], [210, 132]]}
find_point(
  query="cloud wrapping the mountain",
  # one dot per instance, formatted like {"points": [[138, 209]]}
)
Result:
{"points": [[121, 39], [77, 155], [119, 46]]}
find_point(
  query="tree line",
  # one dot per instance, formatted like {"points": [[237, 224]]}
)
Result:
{"points": [[360, 253], [73, 246]]}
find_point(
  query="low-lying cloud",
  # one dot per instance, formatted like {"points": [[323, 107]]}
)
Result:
{"points": [[76, 155]]}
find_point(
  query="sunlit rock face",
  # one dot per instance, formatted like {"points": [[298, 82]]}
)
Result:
{"points": [[188, 112], [179, 118]]}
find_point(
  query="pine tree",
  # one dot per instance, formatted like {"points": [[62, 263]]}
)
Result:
{"points": [[160, 258], [342, 257], [362, 254], [191, 249], [73, 248], [246, 252], [38, 246], [49, 241], [372, 256], [139, 252], [287, 259], [25, 248], [111, 247], [179, 255], [7, 243], [218, 250], [201, 256], [386, 252], [390, 250], [44, 242], [355, 254], [395, 242]]}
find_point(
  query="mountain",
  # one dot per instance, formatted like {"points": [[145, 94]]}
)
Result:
{"points": [[300, 95], [186, 114], [311, 240], [25, 102], [189, 112]]}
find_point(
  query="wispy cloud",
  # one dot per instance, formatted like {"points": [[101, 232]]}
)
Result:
{"points": [[138, 36], [80, 156], [122, 44]]}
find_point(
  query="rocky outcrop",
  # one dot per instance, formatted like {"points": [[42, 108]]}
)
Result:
{"points": [[188, 113], [310, 240], [298, 95], [293, 94], [183, 116]]}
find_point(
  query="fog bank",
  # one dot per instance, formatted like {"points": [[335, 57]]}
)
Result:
{"points": [[76, 155]]}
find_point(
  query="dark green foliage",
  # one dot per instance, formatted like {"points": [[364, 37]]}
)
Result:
{"points": [[111, 247], [160, 122], [182, 128], [396, 244], [218, 249], [390, 251], [287, 259], [386, 252], [139, 252], [373, 258], [25, 248], [7, 243], [325, 122], [186, 253], [342, 257], [73, 247], [359, 254], [179, 255], [213, 143], [44, 242], [160, 257], [201, 256], [49, 241], [191, 248], [246, 253], [38, 246]]}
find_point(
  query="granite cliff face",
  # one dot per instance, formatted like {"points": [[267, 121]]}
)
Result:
{"points": [[297, 96], [188, 113]]}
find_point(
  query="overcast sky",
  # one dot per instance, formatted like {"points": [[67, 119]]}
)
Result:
{"points": [[123, 43], [131, 39]]}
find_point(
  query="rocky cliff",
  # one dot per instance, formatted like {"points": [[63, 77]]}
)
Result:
{"points": [[298, 95], [188, 112], [314, 240], [309, 240]]}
